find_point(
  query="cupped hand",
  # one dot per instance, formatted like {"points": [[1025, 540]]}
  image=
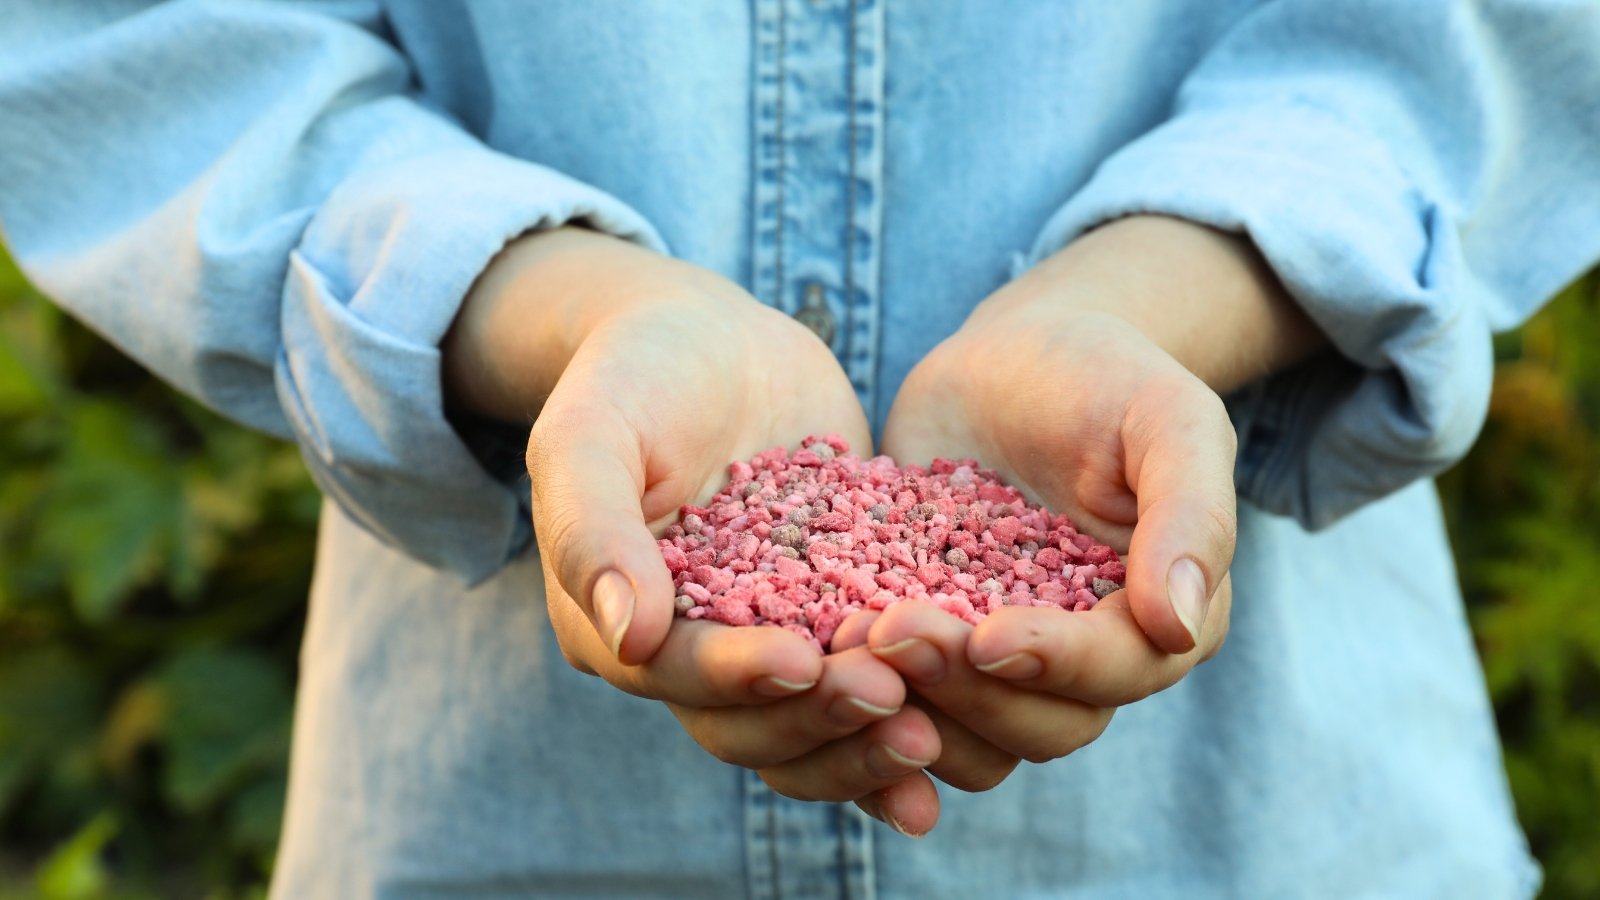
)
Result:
{"points": [[648, 376], [1085, 413]]}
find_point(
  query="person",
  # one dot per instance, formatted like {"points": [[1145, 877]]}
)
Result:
{"points": [[664, 236]]}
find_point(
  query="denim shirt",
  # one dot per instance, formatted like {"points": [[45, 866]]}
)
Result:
{"points": [[278, 206]]}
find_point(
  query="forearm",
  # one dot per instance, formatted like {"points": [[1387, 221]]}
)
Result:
{"points": [[1204, 296]]}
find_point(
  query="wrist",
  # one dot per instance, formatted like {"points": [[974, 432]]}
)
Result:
{"points": [[537, 302], [1203, 296]]}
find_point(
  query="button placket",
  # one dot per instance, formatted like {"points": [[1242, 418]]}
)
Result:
{"points": [[818, 125], [863, 203], [815, 314]]}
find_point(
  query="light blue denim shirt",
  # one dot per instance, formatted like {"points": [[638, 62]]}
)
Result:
{"points": [[278, 206]]}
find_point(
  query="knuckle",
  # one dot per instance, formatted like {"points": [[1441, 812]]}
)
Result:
{"points": [[1223, 522], [553, 441], [557, 533], [540, 448], [1213, 412], [1209, 403], [561, 530], [1228, 436]]}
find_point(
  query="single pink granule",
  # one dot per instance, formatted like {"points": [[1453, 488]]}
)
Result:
{"points": [[803, 540]]}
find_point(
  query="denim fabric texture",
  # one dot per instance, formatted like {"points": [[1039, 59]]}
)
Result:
{"points": [[278, 207]]}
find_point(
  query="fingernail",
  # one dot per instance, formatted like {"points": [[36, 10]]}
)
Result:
{"points": [[873, 805], [851, 711], [1186, 591], [884, 761], [613, 608], [1019, 666], [773, 686], [894, 823], [916, 659]]}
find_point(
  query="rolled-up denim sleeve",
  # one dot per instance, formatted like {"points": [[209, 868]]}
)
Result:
{"points": [[252, 200], [1418, 175]]}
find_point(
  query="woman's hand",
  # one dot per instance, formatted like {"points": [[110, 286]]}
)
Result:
{"points": [[644, 377], [1082, 383], [1091, 418]]}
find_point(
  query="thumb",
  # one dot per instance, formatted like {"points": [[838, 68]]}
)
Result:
{"points": [[1180, 467], [588, 480]]}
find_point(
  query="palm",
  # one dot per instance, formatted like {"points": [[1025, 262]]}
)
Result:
{"points": [[1064, 436], [1106, 427], [683, 381]]}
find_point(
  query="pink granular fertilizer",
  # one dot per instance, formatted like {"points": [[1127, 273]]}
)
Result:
{"points": [[804, 539]]}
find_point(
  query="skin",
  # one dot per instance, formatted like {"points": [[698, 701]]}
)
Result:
{"points": [[643, 376], [1117, 350]]}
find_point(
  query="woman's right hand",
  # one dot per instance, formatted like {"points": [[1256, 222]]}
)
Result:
{"points": [[644, 377]]}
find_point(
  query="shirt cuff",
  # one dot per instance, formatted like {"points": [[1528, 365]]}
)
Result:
{"points": [[1375, 263], [373, 286]]}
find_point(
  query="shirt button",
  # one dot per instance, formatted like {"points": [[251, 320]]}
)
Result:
{"points": [[816, 315]]}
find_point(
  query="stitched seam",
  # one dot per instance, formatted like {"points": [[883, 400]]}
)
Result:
{"points": [[842, 829], [783, 162], [883, 180], [850, 195], [755, 147], [772, 844], [778, 299]]}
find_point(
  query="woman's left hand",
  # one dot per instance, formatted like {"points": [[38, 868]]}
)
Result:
{"points": [[1068, 382]]}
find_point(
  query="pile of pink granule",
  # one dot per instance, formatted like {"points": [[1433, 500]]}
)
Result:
{"points": [[804, 539]]}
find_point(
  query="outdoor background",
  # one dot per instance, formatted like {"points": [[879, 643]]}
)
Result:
{"points": [[154, 562]]}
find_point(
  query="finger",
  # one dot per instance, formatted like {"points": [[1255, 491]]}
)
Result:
{"points": [[909, 806], [855, 690], [967, 761], [853, 630], [929, 648], [1180, 450], [1100, 657], [588, 478], [869, 760], [700, 664]]}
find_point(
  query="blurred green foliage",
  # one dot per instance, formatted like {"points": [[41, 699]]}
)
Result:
{"points": [[1524, 512], [154, 561]]}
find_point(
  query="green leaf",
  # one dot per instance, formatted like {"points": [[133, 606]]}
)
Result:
{"points": [[75, 871], [136, 720], [49, 705], [12, 281], [256, 815], [228, 715], [114, 508], [31, 370]]}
